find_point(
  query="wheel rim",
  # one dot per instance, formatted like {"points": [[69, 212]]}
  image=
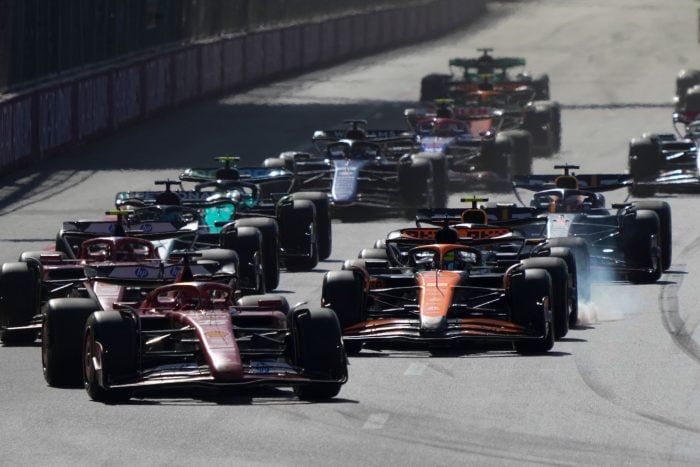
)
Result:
{"points": [[45, 342], [88, 366]]}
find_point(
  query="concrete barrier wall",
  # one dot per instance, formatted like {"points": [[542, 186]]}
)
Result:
{"points": [[53, 117]]}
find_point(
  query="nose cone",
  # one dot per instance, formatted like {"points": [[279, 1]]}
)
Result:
{"points": [[344, 188], [437, 291], [432, 323]]}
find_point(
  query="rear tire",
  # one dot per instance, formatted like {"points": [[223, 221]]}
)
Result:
{"points": [[324, 232], [228, 260], [62, 340], [298, 227], [373, 253], [415, 183], [663, 210], [570, 259], [640, 238], [438, 164], [247, 242], [20, 292], [253, 300], [645, 162], [583, 263], [434, 87], [342, 291], [522, 148], [270, 258]]}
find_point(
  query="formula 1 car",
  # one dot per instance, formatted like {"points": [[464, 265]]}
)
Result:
{"points": [[496, 111], [263, 191], [486, 73], [501, 248], [445, 294], [687, 99], [194, 334], [289, 227], [666, 162], [26, 285], [174, 228], [368, 169], [474, 154], [633, 240]]}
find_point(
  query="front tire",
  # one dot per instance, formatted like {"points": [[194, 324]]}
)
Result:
{"points": [[110, 350], [530, 291], [319, 352]]}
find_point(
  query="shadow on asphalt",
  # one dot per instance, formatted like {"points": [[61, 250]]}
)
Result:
{"points": [[192, 136]]}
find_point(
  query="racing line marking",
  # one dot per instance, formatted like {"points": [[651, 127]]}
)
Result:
{"points": [[376, 421], [415, 369]]}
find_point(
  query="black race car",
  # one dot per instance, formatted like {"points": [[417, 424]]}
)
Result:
{"points": [[368, 170]]}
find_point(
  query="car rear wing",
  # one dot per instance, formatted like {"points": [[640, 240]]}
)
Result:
{"points": [[149, 270], [111, 228], [587, 182], [375, 135], [502, 215], [188, 198], [248, 174], [494, 63]]}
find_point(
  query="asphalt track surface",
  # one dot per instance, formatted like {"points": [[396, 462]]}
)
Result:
{"points": [[622, 388]]}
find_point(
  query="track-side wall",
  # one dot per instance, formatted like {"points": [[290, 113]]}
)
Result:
{"points": [[55, 116]]}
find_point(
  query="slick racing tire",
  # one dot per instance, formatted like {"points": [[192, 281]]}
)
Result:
{"points": [[228, 259], [19, 303], [270, 259], [692, 99], [541, 85], [556, 126], [640, 238], [441, 181], [415, 183], [324, 232], [499, 156], [276, 163], [583, 263], [319, 352], [539, 121], [522, 148], [663, 210], [265, 300], [373, 253], [527, 290], [247, 242], [110, 339], [570, 259], [434, 86], [342, 291], [645, 162], [298, 228], [561, 290], [63, 324], [685, 80]]}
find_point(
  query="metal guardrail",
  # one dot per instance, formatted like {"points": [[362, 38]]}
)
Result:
{"points": [[55, 114], [40, 39]]}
